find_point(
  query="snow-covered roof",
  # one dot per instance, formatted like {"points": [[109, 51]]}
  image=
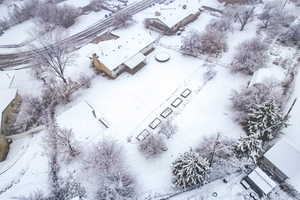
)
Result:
{"points": [[6, 79], [112, 53], [135, 60], [171, 14], [274, 73], [262, 180], [286, 157]]}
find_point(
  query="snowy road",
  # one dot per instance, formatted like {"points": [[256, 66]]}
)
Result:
{"points": [[75, 41]]}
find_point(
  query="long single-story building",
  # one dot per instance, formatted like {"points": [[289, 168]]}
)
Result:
{"points": [[126, 53], [168, 19]]}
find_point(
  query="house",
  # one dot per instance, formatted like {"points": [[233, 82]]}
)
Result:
{"points": [[127, 53], [168, 19], [9, 101]]}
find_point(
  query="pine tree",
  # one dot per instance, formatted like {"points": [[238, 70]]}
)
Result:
{"points": [[265, 120], [249, 146], [189, 170]]}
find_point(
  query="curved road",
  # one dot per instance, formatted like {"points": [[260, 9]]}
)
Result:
{"points": [[77, 40]]}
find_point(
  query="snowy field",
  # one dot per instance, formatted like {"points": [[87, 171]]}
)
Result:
{"points": [[128, 104]]}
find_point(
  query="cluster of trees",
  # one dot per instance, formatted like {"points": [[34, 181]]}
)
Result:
{"points": [[214, 158], [47, 14], [212, 42], [259, 109]]}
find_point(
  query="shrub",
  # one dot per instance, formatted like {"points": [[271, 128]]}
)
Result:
{"points": [[152, 146]]}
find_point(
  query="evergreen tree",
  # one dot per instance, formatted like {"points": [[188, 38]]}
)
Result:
{"points": [[189, 170], [249, 146], [265, 120]]}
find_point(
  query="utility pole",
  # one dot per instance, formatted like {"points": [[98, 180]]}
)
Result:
{"points": [[214, 150]]}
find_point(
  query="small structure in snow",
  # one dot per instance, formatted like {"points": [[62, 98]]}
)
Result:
{"points": [[260, 182], [162, 57], [274, 73], [172, 16], [126, 53]]}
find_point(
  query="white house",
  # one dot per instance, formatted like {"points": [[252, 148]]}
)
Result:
{"points": [[126, 53]]}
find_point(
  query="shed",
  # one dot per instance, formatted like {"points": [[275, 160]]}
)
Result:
{"points": [[260, 182]]}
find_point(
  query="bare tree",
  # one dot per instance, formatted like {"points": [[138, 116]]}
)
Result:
{"points": [[244, 15], [251, 55], [67, 143], [53, 56]]}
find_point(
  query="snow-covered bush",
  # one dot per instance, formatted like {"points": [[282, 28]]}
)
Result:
{"points": [[274, 17], [122, 19], [210, 43], [220, 25], [291, 36], [119, 186], [22, 12], [249, 146], [190, 170], [251, 55], [66, 16], [106, 156], [96, 5], [69, 189], [265, 120], [152, 146], [50, 15], [85, 81], [168, 129], [114, 181], [4, 25]]}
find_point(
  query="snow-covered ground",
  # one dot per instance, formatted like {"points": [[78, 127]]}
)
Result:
{"points": [[130, 103]]}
